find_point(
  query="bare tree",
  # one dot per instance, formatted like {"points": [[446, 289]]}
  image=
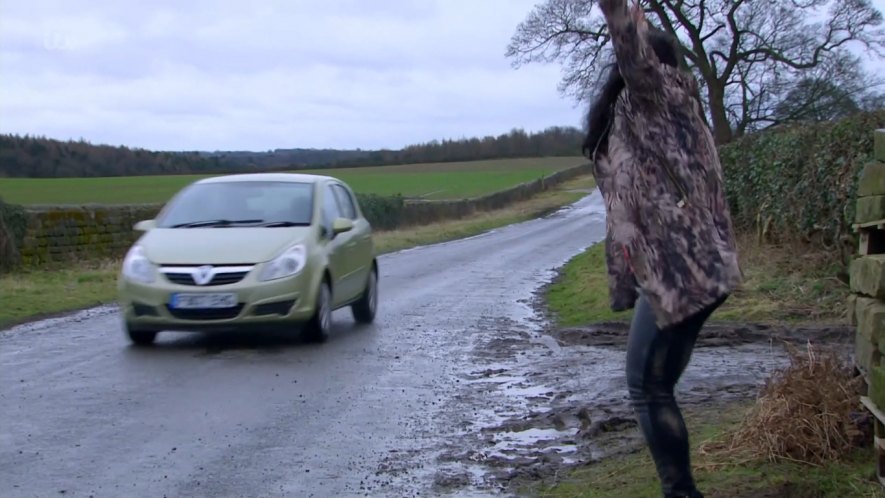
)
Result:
{"points": [[829, 91], [747, 54]]}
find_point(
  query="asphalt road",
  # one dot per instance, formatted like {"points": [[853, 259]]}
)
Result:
{"points": [[83, 413]]}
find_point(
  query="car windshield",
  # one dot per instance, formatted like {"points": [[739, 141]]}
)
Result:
{"points": [[236, 204]]}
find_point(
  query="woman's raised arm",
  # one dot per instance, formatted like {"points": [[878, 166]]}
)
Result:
{"points": [[637, 61]]}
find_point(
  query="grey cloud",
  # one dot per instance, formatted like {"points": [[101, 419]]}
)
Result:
{"points": [[260, 75]]}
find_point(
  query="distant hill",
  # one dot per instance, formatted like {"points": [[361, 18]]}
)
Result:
{"points": [[40, 157]]}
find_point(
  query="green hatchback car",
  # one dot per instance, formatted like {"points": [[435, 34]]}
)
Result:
{"points": [[251, 250]]}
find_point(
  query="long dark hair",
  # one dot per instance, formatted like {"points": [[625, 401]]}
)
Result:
{"points": [[601, 110]]}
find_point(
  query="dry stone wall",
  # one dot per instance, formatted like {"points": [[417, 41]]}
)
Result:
{"points": [[67, 233], [867, 301], [424, 212], [60, 234]]}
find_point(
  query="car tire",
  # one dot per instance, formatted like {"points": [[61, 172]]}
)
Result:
{"points": [[319, 327], [141, 337], [364, 309]]}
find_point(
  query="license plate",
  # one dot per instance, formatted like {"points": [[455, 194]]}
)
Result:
{"points": [[203, 301]]}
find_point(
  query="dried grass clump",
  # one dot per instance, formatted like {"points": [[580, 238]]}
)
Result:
{"points": [[808, 413]]}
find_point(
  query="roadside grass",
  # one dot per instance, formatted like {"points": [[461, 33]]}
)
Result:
{"points": [[789, 283], [42, 293], [46, 292], [782, 284], [432, 181], [634, 475]]}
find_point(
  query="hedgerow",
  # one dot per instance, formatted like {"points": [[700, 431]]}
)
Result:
{"points": [[13, 224], [800, 182], [383, 212]]}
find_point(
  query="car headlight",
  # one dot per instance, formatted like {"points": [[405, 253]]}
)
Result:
{"points": [[137, 267], [287, 264]]}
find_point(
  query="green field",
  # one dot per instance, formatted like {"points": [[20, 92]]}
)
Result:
{"points": [[431, 181]]}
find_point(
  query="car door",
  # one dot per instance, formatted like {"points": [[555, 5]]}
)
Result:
{"points": [[336, 248], [361, 250]]}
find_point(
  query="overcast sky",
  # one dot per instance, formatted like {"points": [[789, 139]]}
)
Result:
{"points": [[259, 75]]}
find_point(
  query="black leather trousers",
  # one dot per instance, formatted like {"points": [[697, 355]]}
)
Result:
{"points": [[655, 361]]}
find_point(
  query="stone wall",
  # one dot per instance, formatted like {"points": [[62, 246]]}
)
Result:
{"points": [[867, 301], [68, 233], [424, 212], [60, 234]]}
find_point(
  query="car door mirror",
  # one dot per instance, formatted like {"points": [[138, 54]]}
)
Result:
{"points": [[341, 225], [145, 225]]}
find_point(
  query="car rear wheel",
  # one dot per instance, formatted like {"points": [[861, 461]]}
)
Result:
{"points": [[141, 337], [364, 309], [319, 327]]}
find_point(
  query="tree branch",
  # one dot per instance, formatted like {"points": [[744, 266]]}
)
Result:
{"points": [[736, 33], [694, 34], [748, 55]]}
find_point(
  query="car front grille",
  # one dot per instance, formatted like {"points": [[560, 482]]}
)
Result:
{"points": [[222, 275], [218, 279], [206, 314]]}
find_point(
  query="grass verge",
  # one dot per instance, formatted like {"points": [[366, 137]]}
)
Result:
{"points": [[782, 284], [40, 293], [790, 283], [43, 293], [634, 475]]}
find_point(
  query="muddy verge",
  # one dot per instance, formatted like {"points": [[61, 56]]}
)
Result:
{"points": [[540, 401], [715, 334]]}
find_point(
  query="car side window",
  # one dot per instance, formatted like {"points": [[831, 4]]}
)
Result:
{"points": [[331, 210], [348, 209]]}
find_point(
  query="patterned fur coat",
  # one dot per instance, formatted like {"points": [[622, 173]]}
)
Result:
{"points": [[669, 230]]}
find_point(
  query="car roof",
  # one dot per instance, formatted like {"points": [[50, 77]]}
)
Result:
{"points": [[268, 177]]}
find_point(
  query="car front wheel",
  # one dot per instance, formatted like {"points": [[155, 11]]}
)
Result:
{"points": [[364, 309], [319, 327]]}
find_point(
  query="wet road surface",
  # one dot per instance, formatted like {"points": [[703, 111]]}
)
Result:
{"points": [[456, 389], [83, 413]]}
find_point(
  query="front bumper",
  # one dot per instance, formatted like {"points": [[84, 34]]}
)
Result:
{"points": [[278, 303]]}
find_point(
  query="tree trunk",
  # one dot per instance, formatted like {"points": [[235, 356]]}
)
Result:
{"points": [[722, 131]]}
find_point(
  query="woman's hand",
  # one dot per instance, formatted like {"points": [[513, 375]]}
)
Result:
{"points": [[628, 12], [638, 16], [629, 29]]}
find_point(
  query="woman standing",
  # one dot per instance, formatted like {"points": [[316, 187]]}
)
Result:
{"points": [[670, 245]]}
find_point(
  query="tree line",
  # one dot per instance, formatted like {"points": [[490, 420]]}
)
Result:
{"points": [[41, 157]]}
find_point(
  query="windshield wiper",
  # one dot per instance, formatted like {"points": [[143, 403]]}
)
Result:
{"points": [[216, 223], [285, 224]]}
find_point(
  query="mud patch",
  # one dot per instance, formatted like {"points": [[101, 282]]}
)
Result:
{"points": [[715, 334], [538, 402]]}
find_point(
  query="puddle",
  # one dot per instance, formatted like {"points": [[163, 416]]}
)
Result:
{"points": [[509, 441], [541, 401]]}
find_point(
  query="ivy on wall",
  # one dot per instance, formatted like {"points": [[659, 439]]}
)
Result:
{"points": [[800, 182], [13, 226]]}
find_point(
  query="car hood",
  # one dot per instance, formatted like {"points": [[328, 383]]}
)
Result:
{"points": [[219, 246]]}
